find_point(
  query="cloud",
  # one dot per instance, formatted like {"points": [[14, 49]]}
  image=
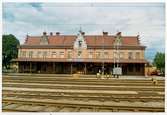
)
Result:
{"points": [[148, 20]]}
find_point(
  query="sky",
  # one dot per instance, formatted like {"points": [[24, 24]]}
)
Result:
{"points": [[132, 19]]}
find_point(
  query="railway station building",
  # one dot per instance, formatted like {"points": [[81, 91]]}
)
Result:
{"points": [[68, 54]]}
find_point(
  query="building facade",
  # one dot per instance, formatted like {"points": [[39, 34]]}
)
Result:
{"points": [[85, 54]]}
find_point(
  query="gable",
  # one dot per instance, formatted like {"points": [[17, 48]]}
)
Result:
{"points": [[80, 42]]}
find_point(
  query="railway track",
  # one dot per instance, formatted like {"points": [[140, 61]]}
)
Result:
{"points": [[94, 107], [117, 98], [82, 87], [55, 94], [84, 94], [52, 80]]}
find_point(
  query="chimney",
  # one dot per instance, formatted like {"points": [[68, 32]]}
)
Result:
{"points": [[44, 33], [105, 33], [57, 33], [138, 36], [138, 39], [118, 34], [26, 40], [51, 33], [27, 36], [83, 33]]}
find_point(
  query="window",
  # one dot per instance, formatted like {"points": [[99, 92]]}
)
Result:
{"points": [[44, 54], [79, 54], [115, 55], [90, 54], [97, 54], [30, 54], [121, 55], [54, 54], [61, 54], [23, 53], [118, 55], [130, 55], [38, 54], [20, 53], [105, 54], [137, 55], [69, 54]]}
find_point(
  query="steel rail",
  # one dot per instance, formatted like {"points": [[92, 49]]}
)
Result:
{"points": [[84, 105], [100, 98]]}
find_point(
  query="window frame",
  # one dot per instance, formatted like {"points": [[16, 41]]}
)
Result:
{"points": [[24, 54], [121, 55], [39, 54], [69, 55], [90, 54], [98, 54], [30, 55], [61, 54], [130, 55], [54, 54], [44, 54], [137, 55], [106, 54]]}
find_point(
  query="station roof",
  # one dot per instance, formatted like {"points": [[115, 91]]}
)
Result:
{"points": [[91, 40]]}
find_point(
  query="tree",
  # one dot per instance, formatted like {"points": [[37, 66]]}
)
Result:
{"points": [[9, 49], [159, 61]]}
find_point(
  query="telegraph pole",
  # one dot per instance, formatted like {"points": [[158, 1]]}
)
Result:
{"points": [[117, 70], [103, 57], [114, 55], [117, 49]]}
